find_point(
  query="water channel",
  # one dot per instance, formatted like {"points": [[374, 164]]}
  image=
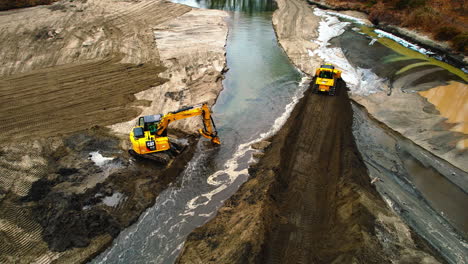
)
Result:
{"points": [[260, 89]]}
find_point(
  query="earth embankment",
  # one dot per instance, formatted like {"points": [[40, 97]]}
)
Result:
{"points": [[308, 200]]}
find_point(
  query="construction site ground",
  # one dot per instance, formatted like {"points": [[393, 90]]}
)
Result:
{"points": [[74, 77]]}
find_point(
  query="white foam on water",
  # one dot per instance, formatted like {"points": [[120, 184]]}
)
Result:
{"points": [[98, 159], [232, 165], [403, 42], [360, 81]]}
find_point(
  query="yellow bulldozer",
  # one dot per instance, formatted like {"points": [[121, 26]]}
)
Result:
{"points": [[149, 136], [326, 79]]}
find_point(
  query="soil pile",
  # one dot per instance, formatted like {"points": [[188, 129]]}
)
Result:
{"points": [[309, 200]]}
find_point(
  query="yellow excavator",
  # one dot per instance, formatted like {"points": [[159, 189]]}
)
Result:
{"points": [[149, 136], [326, 79]]}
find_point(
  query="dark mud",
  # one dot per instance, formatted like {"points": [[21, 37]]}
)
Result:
{"points": [[309, 200], [76, 201]]}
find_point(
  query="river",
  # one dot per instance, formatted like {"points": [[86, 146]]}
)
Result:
{"points": [[260, 89]]}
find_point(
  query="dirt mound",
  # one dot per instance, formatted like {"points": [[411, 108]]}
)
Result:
{"points": [[310, 201]]}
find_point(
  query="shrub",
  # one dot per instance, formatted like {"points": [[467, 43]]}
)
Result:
{"points": [[12, 4], [378, 16], [446, 33], [402, 4], [423, 18], [460, 42]]}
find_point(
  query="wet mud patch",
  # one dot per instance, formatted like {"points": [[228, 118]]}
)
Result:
{"points": [[85, 187]]}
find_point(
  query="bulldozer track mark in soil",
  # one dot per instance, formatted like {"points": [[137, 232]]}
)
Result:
{"points": [[64, 99]]}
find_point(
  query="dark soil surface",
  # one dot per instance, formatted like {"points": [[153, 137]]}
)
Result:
{"points": [[76, 201], [309, 200]]}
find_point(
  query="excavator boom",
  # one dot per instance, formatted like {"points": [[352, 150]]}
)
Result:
{"points": [[149, 136], [209, 129]]}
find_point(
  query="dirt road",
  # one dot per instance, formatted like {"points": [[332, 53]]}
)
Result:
{"points": [[309, 200]]}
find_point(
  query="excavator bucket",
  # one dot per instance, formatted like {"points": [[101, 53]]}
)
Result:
{"points": [[214, 138]]}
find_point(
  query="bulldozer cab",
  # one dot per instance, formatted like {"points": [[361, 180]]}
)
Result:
{"points": [[326, 74]]}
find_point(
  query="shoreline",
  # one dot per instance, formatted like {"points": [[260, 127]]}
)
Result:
{"points": [[279, 215]]}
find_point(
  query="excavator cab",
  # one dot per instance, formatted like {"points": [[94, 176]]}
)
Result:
{"points": [[143, 136], [149, 123], [150, 133]]}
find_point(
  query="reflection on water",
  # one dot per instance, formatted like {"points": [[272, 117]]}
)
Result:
{"points": [[444, 196], [244, 6]]}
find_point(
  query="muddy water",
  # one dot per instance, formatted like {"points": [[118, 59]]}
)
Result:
{"points": [[260, 89], [427, 192]]}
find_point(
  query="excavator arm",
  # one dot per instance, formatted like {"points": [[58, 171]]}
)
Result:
{"points": [[209, 128]]}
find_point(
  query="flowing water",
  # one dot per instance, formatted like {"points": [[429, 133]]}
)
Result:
{"points": [[260, 90]]}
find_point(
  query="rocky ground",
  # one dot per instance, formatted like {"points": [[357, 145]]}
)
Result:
{"points": [[70, 69]]}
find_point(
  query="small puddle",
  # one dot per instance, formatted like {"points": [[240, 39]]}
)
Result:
{"points": [[113, 200]]}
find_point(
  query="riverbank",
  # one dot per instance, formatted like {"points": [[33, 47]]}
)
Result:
{"points": [[70, 69]]}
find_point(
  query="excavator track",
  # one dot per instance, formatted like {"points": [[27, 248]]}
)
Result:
{"points": [[163, 157]]}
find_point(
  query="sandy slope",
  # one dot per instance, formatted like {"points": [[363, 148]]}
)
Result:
{"points": [[75, 65]]}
